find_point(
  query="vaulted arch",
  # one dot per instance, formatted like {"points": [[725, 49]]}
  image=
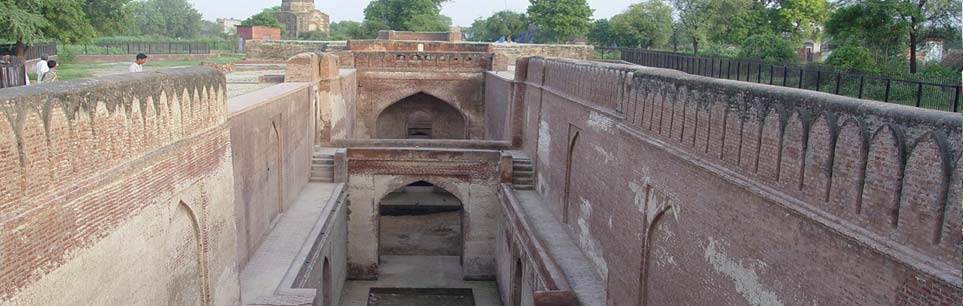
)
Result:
{"points": [[421, 116]]}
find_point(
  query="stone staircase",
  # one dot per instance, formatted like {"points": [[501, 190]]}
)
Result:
{"points": [[322, 166], [522, 174]]}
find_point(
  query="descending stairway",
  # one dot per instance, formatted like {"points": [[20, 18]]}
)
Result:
{"points": [[322, 166], [522, 174]]}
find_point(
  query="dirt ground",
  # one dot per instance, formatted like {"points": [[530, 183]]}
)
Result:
{"points": [[436, 234]]}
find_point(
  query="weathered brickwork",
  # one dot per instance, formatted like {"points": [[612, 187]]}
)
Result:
{"points": [[857, 200], [427, 36], [120, 190], [284, 49], [508, 54], [419, 61], [499, 98]]}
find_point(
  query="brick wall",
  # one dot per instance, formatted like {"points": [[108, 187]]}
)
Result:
{"points": [[427, 36], [499, 94], [120, 190], [285, 49], [422, 61], [258, 33], [412, 46], [686, 190], [507, 54]]}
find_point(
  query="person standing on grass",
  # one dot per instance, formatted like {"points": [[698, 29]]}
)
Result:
{"points": [[138, 65], [51, 74], [42, 68]]}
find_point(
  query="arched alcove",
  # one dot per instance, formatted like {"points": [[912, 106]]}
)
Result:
{"points": [[421, 116], [420, 219]]}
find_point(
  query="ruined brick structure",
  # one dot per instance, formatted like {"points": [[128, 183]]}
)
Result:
{"points": [[300, 16], [576, 183]]}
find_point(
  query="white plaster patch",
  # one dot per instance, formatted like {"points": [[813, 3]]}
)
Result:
{"points": [[745, 279], [639, 191], [544, 141], [592, 250], [608, 157], [601, 123], [663, 258]]}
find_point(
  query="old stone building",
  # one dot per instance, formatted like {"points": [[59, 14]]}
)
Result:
{"points": [[442, 173], [300, 16]]}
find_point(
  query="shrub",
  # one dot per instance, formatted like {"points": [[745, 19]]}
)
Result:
{"points": [[851, 57], [768, 47]]}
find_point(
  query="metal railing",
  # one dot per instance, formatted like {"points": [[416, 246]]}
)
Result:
{"points": [[12, 74], [33, 51], [121, 48], [940, 95]]}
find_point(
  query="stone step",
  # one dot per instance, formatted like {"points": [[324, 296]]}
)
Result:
{"points": [[522, 173], [322, 173], [522, 168], [322, 161], [321, 180], [522, 181], [523, 187]]}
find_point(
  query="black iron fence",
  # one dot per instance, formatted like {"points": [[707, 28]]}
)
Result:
{"points": [[939, 95], [121, 48], [32, 51], [12, 73]]}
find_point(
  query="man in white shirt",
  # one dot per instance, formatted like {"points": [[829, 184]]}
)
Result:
{"points": [[41, 68], [138, 65]]}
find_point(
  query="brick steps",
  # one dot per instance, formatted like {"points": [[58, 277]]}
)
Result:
{"points": [[522, 174], [322, 167]]}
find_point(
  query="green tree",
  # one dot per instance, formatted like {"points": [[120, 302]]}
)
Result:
{"points": [[267, 17], [768, 47], [923, 14], [67, 21], [647, 24], [560, 20], [870, 24], [505, 23], [601, 33], [695, 19], [346, 30], [801, 18], [405, 15], [171, 18]]}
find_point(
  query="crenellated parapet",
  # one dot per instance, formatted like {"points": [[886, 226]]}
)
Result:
{"points": [[60, 133], [885, 175]]}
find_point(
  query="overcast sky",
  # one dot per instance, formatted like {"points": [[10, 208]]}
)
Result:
{"points": [[462, 12]]}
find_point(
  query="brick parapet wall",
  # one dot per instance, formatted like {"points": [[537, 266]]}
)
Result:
{"points": [[423, 61], [413, 46], [80, 158], [425, 36], [508, 54], [284, 49], [883, 174]]}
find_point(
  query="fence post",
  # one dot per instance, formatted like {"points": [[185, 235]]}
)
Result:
{"points": [[189, 51], [85, 49], [759, 73], [738, 71], [819, 79], [128, 48], [888, 82], [108, 49], [169, 47], [956, 100], [802, 73], [785, 76], [772, 70], [919, 93], [838, 79], [861, 79]]}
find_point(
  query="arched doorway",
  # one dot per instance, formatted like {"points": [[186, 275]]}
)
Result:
{"points": [[326, 298], [420, 219], [517, 275], [421, 116]]}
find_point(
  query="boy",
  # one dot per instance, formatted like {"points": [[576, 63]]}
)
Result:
{"points": [[138, 65], [51, 74]]}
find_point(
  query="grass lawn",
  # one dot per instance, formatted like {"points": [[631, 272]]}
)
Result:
{"points": [[69, 70]]}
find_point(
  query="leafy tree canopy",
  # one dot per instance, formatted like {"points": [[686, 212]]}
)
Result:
{"points": [[405, 15], [560, 20], [172, 18], [67, 21], [852, 57], [647, 24], [267, 17], [504, 23], [602, 34], [768, 47]]}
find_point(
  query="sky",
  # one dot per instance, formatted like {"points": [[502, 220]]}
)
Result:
{"points": [[462, 12]]}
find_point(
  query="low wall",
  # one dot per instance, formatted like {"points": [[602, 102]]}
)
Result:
{"points": [[284, 49], [428, 36], [508, 54], [112, 192], [499, 94], [696, 181], [413, 46], [420, 61], [272, 134]]}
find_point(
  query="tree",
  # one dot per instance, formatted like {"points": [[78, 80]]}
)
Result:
{"points": [[560, 20], [921, 14], [267, 17], [647, 24], [405, 15], [28, 21], [871, 24], [694, 17], [505, 23], [171, 18], [601, 33], [801, 18], [346, 30], [768, 47]]}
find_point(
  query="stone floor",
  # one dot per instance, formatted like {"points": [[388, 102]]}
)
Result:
{"points": [[420, 272], [264, 272]]}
